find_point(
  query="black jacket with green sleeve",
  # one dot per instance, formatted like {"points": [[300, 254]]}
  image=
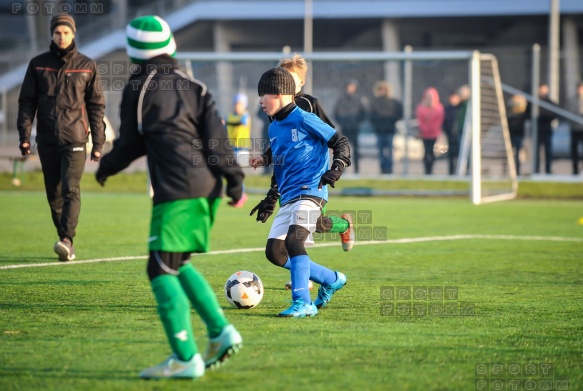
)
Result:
{"points": [[172, 119]]}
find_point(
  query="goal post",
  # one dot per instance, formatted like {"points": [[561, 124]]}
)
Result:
{"points": [[492, 163]]}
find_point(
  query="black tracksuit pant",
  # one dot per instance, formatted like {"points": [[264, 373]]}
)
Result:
{"points": [[62, 170], [576, 139]]}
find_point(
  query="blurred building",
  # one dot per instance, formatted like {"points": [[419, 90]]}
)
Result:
{"points": [[505, 28], [260, 25]]}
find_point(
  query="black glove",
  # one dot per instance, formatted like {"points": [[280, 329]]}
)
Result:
{"points": [[266, 207], [24, 150], [332, 175], [95, 158], [100, 178], [234, 190]]}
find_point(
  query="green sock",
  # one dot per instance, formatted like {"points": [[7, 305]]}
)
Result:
{"points": [[203, 299], [339, 225], [174, 313]]}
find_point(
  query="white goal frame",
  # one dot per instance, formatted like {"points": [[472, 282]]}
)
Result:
{"points": [[475, 119], [471, 138]]}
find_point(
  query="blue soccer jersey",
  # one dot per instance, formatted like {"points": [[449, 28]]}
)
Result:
{"points": [[299, 144]]}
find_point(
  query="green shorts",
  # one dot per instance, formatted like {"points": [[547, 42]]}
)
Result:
{"points": [[183, 225]]}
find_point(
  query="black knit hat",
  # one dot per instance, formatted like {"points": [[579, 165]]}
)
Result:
{"points": [[63, 19], [276, 81]]}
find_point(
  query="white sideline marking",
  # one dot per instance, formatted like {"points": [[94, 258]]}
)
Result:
{"points": [[257, 249]]}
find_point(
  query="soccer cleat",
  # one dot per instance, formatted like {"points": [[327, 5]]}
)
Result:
{"points": [[347, 237], [176, 368], [241, 202], [325, 292], [64, 249], [222, 347], [299, 309]]}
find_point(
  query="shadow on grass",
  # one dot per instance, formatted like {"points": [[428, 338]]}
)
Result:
{"points": [[60, 373], [60, 282], [77, 307], [20, 259]]}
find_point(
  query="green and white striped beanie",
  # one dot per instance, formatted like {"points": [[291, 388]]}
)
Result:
{"points": [[147, 37]]}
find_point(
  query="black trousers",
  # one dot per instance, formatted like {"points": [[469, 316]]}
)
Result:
{"points": [[545, 140], [453, 152], [576, 139], [62, 170], [428, 156]]}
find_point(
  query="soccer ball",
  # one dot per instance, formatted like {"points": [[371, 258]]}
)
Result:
{"points": [[244, 290], [310, 285]]}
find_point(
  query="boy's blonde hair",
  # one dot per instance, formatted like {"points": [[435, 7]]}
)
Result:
{"points": [[517, 104], [296, 64]]}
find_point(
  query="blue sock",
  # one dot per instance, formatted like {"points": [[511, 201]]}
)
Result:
{"points": [[318, 273], [300, 275]]}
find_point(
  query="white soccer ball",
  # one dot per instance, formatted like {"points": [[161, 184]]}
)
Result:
{"points": [[244, 290]]}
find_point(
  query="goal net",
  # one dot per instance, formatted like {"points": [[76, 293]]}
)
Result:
{"points": [[485, 147]]}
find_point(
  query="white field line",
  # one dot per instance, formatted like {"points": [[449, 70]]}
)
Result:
{"points": [[359, 243]]}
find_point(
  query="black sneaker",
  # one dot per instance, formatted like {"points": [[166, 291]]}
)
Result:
{"points": [[64, 249]]}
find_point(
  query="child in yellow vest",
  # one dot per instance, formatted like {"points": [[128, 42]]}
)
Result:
{"points": [[239, 131]]}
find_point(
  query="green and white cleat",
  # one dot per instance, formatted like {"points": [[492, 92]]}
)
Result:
{"points": [[174, 368], [222, 347]]}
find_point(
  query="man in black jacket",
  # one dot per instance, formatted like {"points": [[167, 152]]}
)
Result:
{"points": [[350, 112], [61, 88], [385, 112], [545, 130], [575, 105], [173, 119]]}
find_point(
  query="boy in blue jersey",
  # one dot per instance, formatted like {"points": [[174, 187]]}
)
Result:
{"points": [[299, 142], [298, 67]]}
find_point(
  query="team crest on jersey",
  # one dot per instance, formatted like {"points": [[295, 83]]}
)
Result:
{"points": [[294, 134]]}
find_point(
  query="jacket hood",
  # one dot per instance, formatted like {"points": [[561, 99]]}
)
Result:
{"points": [[431, 96]]}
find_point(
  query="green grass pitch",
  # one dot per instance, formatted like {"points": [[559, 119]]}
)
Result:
{"points": [[511, 275]]}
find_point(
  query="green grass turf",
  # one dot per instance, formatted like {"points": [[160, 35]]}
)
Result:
{"points": [[137, 183], [94, 326]]}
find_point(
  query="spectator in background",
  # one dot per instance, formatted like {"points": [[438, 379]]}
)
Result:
{"points": [[464, 93], [350, 111], [516, 114], [385, 111], [576, 106], [430, 115], [61, 88], [451, 131], [545, 130], [239, 132]]}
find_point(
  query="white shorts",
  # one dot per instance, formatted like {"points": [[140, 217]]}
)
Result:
{"points": [[304, 213]]}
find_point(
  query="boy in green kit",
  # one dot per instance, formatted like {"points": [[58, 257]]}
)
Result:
{"points": [[172, 119]]}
